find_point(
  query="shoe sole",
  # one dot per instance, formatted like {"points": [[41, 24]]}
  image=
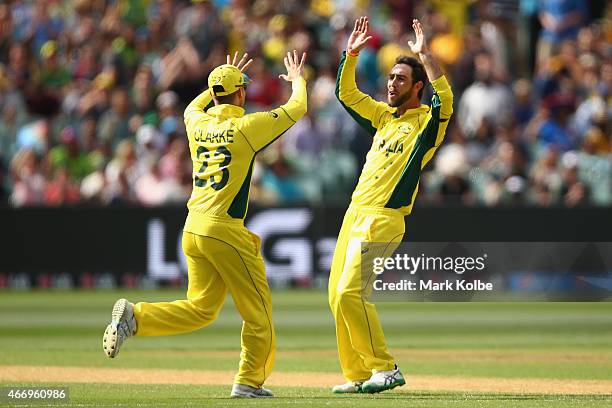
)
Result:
{"points": [[109, 340], [250, 396], [376, 389]]}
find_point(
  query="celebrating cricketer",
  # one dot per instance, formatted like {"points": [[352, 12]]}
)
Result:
{"points": [[222, 255], [405, 136]]}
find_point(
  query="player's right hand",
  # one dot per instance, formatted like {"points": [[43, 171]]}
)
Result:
{"points": [[244, 62], [359, 37], [294, 69]]}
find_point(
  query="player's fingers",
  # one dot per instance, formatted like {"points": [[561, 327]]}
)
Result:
{"points": [[295, 57], [301, 61], [366, 25], [235, 58], [227, 58], [356, 28], [368, 38], [246, 65], [243, 59]]}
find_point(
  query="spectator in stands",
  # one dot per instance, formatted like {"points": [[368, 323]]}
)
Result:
{"points": [[95, 89], [485, 100], [28, 179], [60, 191], [560, 20], [555, 130], [114, 123], [68, 156]]}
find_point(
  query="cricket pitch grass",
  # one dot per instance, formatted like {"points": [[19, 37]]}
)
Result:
{"points": [[452, 354]]}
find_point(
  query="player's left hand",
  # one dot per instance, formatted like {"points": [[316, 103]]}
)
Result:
{"points": [[295, 67], [419, 46], [244, 62]]}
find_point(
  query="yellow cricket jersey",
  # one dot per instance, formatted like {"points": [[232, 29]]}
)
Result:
{"points": [[401, 146], [223, 142]]}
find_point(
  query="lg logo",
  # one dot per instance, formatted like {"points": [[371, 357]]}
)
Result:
{"points": [[288, 252]]}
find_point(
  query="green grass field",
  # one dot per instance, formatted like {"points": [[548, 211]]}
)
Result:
{"points": [[452, 354]]}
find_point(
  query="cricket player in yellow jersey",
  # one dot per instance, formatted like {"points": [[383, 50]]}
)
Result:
{"points": [[222, 255], [405, 136]]}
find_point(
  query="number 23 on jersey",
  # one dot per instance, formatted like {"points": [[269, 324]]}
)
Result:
{"points": [[200, 180]]}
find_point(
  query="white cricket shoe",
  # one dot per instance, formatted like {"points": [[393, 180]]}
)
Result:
{"points": [[123, 325], [383, 380], [351, 387], [246, 391]]}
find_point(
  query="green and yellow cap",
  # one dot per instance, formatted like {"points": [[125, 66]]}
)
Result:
{"points": [[226, 79]]}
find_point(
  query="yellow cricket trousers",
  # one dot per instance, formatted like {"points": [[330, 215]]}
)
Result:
{"points": [[226, 258], [362, 348]]}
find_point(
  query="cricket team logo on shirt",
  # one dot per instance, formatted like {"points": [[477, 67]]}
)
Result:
{"points": [[406, 128]]}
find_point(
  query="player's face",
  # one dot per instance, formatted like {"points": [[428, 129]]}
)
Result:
{"points": [[400, 88]]}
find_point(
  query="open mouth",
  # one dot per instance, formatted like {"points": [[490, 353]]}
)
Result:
{"points": [[392, 94]]}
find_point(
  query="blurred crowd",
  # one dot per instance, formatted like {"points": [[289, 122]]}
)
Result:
{"points": [[92, 94]]}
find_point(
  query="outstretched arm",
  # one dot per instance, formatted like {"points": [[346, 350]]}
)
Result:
{"points": [[363, 108], [262, 128], [443, 98], [434, 73], [419, 48], [296, 105]]}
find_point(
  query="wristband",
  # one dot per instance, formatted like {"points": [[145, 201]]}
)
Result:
{"points": [[352, 54]]}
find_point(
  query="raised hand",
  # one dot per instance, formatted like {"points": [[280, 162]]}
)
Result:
{"points": [[295, 69], [244, 62], [419, 46], [359, 37]]}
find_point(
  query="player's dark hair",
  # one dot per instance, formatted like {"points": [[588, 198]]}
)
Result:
{"points": [[418, 70]]}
